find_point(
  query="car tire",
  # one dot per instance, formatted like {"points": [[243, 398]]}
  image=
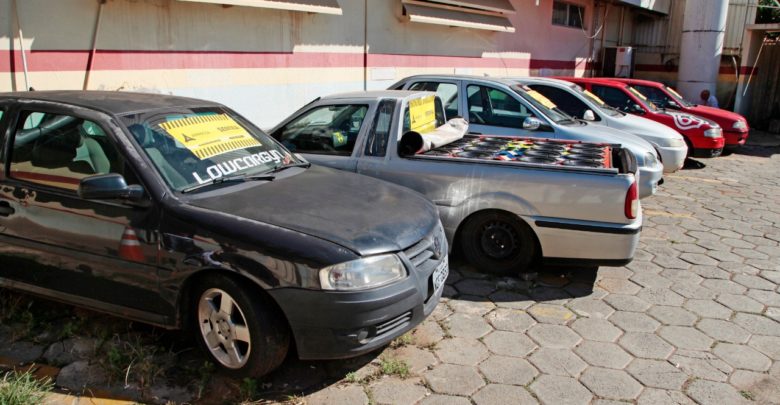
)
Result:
{"points": [[245, 336], [498, 243]]}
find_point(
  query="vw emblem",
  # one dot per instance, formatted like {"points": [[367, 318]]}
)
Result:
{"points": [[436, 247]]}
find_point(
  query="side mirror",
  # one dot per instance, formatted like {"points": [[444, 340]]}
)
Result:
{"points": [[532, 124], [589, 115], [673, 104], [636, 109], [110, 186]]}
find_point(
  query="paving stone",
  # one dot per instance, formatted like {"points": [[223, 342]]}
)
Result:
{"points": [[509, 299], [661, 296], [714, 393], [475, 307], [724, 286], [623, 302], [603, 354], [711, 272], [723, 331], [646, 345], [671, 262], [591, 308], [81, 374], [773, 276], [596, 329], [496, 394], [476, 287], [744, 380], [615, 272], [741, 303], [509, 343], [652, 396], [463, 351], [657, 374], [708, 309], [454, 379], [508, 370], [441, 312], [634, 322], [769, 345], [694, 291], [562, 362], [613, 384], [554, 336], [510, 320], [553, 314], [703, 365], [672, 315], [618, 286], [557, 390], [437, 399], [467, 326], [742, 357], [651, 280], [768, 298], [685, 337], [682, 276], [417, 359], [756, 282], [698, 258], [427, 334], [757, 324], [773, 313], [395, 391]]}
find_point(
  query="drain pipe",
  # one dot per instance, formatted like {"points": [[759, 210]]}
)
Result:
{"points": [[701, 46], [21, 46], [94, 45]]}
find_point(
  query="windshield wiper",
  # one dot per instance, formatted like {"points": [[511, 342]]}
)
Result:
{"points": [[281, 167], [229, 179]]}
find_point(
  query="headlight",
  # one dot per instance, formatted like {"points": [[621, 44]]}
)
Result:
{"points": [[714, 133], [362, 274], [676, 142], [650, 159], [739, 125]]}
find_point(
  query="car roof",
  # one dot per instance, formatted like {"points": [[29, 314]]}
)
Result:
{"points": [[112, 102], [598, 80], [541, 80], [375, 94], [489, 79], [636, 81]]}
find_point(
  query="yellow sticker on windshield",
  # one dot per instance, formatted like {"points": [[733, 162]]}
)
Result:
{"points": [[594, 97], [541, 99], [422, 114], [671, 90], [210, 135], [637, 93]]}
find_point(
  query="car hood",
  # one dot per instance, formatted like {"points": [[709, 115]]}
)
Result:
{"points": [[649, 130], [365, 215], [723, 117]]}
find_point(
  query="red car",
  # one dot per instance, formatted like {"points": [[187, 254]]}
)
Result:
{"points": [[735, 126], [704, 137]]}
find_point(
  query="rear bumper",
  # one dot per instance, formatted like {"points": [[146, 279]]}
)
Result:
{"points": [[335, 325], [581, 242], [735, 139], [673, 157], [648, 179]]}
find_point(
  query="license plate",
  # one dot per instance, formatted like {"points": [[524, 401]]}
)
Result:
{"points": [[440, 274]]}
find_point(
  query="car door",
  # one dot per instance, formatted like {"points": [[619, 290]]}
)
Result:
{"points": [[492, 111], [93, 252], [327, 134]]}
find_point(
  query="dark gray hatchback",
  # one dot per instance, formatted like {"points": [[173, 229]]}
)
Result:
{"points": [[180, 213]]}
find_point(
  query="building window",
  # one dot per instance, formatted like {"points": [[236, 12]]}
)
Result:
{"points": [[568, 15]]}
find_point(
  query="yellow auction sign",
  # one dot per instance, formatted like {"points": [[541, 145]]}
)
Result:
{"points": [[541, 99], [209, 135], [422, 114], [594, 97]]}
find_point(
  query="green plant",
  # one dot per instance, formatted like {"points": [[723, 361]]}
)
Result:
{"points": [[747, 395], [249, 389], [23, 389], [392, 366], [352, 377], [132, 361], [403, 340]]}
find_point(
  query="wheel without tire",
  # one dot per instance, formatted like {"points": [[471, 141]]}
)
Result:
{"points": [[498, 243], [242, 332]]}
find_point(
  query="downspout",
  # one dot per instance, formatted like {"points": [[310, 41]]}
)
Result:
{"points": [[622, 19], [365, 45], [603, 35], [21, 46], [94, 44]]}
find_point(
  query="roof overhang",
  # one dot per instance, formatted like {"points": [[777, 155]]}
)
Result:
{"points": [[309, 6], [488, 15]]}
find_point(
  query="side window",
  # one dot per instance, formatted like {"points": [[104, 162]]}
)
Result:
{"points": [[566, 101], [59, 150], [655, 95], [376, 144], [612, 96], [447, 92], [489, 106], [328, 129]]}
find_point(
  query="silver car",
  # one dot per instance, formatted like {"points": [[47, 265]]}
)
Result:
{"points": [[585, 105], [497, 106]]}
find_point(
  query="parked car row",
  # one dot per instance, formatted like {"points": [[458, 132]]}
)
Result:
{"points": [[183, 214]]}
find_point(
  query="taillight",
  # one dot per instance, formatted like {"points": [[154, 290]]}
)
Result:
{"points": [[632, 201]]}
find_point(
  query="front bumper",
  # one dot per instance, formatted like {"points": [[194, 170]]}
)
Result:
{"points": [[648, 179], [673, 157], [706, 152], [335, 325], [735, 139]]}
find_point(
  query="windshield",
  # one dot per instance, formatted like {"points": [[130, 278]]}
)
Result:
{"points": [[196, 146], [606, 109], [644, 100], [677, 97], [544, 105]]}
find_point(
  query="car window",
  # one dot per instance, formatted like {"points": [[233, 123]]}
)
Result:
{"points": [[490, 106], [447, 92], [439, 114], [614, 97], [564, 100], [327, 129], [59, 150], [376, 143], [657, 96]]}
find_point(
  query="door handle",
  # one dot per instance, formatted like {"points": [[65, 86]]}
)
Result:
{"points": [[475, 133], [6, 209]]}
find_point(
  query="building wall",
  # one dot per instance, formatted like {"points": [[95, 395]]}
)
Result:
{"points": [[267, 63]]}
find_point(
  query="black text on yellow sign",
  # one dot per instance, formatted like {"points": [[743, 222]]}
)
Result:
{"points": [[210, 135]]}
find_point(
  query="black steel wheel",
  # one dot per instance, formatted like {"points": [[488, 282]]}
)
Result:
{"points": [[498, 242]]}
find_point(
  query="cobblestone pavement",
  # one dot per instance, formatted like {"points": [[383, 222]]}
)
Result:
{"points": [[695, 318]]}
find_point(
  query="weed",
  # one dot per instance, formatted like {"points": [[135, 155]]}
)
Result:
{"points": [[747, 395], [249, 389], [23, 389], [397, 367], [403, 340], [132, 361], [352, 377]]}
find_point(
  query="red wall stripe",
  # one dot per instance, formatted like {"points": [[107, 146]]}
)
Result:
{"points": [[723, 70]]}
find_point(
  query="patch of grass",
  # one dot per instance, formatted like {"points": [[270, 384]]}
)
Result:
{"points": [[352, 377], [23, 389], [249, 389], [747, 395], [134, 362], [390, 366], [404, 340]]}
